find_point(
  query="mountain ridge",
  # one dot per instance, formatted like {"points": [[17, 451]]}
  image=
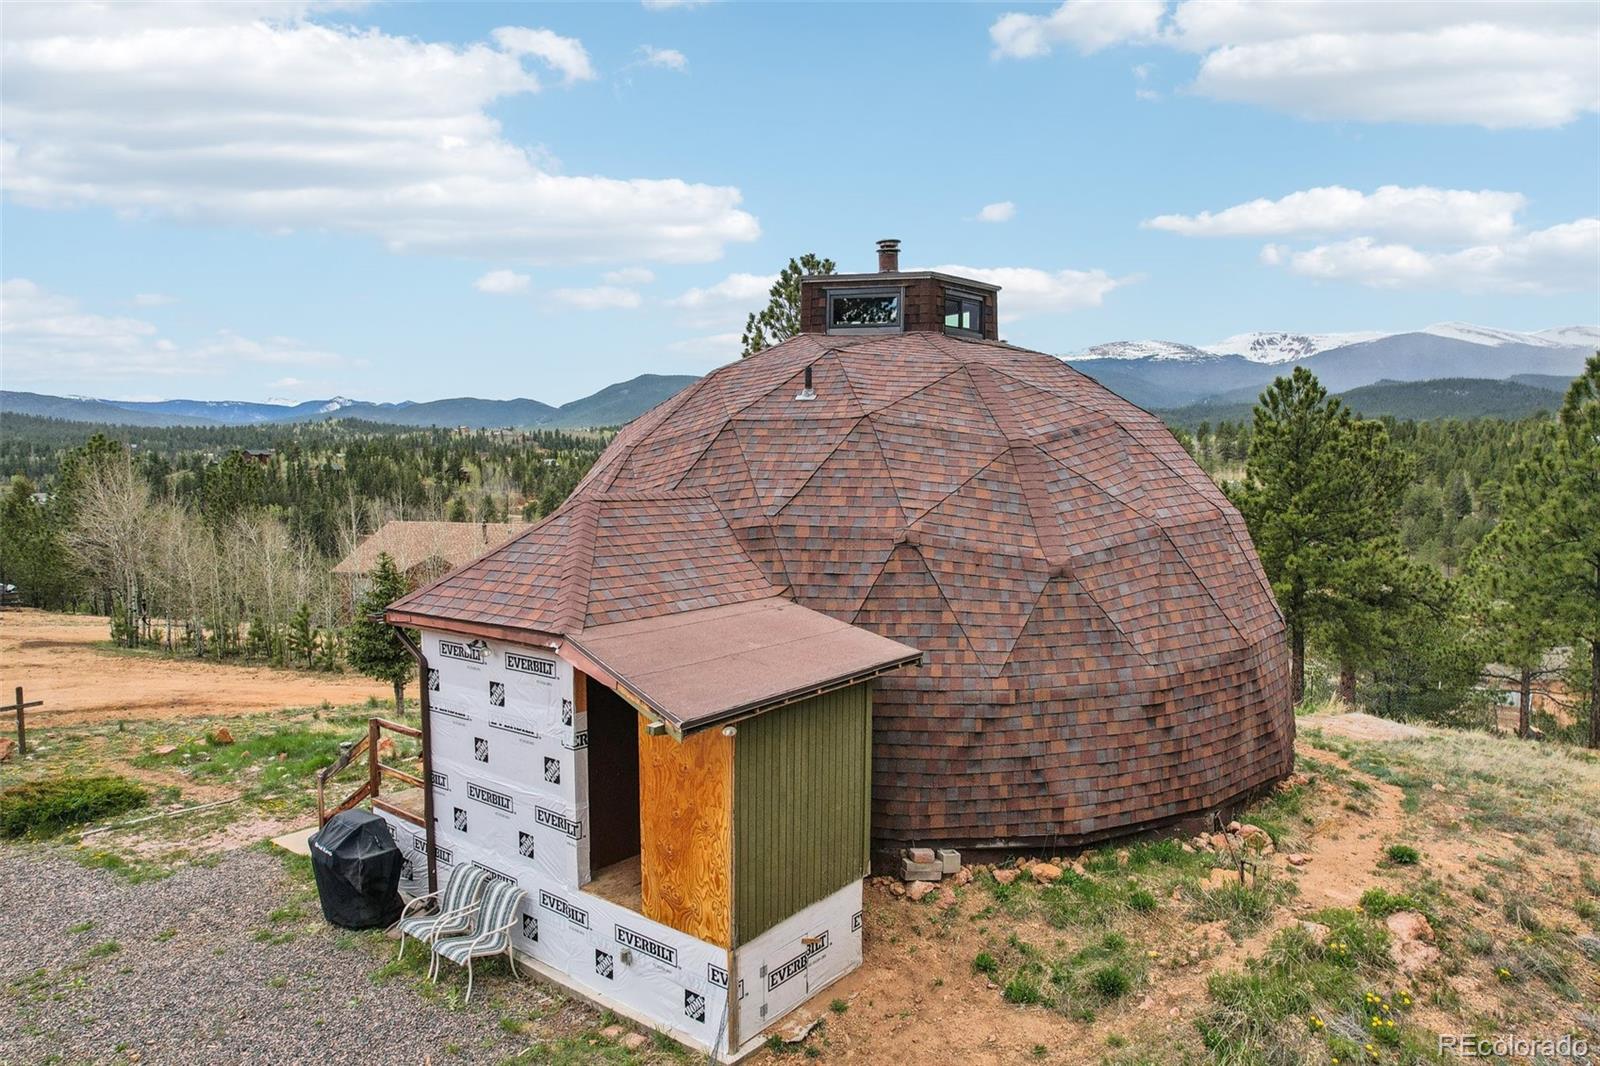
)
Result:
{"points": [[613, 405], [1172, 374]]}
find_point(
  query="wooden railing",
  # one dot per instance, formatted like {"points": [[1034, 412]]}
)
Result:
{"points": [[377, 770]]}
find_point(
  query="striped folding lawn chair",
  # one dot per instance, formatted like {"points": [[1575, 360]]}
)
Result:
{"points": [[458, 904], [492, 936]]}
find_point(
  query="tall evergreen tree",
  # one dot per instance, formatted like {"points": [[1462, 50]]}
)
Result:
{"points": [[373, 648], [780, 319], [1551, 530], [1320, 494]]}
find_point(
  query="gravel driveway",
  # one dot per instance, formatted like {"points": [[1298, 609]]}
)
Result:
{"points": [[198, 969]]}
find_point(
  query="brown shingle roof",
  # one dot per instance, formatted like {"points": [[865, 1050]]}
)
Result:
{"points": [[1103, 649], [698, 668], [412, 543]]}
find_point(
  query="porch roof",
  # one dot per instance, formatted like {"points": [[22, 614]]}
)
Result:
{"points": [[700, 668]]}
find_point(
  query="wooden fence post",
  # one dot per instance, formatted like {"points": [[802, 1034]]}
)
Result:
{"points": [[373, 770], [20, 709]]}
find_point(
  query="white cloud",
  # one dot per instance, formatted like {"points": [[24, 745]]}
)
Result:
{"points": [[152, 299], [287, 383], [239, 115], [738, 290], [724, 305], [48, 338], [1560, 258], [1420, 212], [1086, 25], [501, 282], [629, 276], [1027, 290], [566, 55], [599, 298], [665, 58], [1489, 64], [1004, 211]]}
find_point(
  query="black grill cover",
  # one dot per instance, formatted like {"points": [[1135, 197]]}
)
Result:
{"points": [[357, 866]]}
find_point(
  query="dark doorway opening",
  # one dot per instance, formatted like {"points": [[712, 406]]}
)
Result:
{"points": [[613, 778]]}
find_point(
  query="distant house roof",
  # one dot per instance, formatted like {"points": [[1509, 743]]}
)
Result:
{"points": [[698, 668], [412, 543]]}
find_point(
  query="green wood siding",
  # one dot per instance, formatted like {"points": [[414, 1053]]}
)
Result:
{"points": [[802, 803]]}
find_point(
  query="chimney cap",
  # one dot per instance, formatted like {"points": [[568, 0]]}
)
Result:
{"points": [[889, 255]]}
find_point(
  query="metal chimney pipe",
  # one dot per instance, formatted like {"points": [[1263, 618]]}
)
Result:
{"points": [[888, 256]]}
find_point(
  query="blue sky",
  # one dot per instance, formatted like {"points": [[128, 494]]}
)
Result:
{"points": [[416, 201]]}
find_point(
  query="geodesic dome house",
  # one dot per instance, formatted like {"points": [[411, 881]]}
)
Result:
{"points": [[1049, 625]]}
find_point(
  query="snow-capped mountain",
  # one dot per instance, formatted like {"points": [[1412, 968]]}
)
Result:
{"points": [[1285, 347], [1143, 350], [1164, 374]]}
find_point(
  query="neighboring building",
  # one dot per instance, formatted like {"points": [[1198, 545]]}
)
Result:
{"points": [[259, 456], [639, 705], [1548, 692], [424, 551]]}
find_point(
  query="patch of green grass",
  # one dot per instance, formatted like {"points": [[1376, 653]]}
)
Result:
{"points": [[80, 927], [272, 767], [52, 805], [1023, 989], [983, 962], [1402, 855], [1305, 989], [104, 948], [1243, 907], [838, 1006], [1380, 903], [1142, 901], [131, 871], [1111, 982]]}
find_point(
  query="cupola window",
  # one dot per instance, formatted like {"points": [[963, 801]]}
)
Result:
{"points": [[866, 310], [963, 313]]}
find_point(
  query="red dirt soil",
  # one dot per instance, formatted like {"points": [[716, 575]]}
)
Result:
{"points": [[55, 658]]}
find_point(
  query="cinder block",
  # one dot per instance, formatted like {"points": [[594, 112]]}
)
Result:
{"points": [[920, 871], [950, 860]]}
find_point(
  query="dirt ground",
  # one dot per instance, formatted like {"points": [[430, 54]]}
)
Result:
{"points": [[56, 658], [918, 994]]}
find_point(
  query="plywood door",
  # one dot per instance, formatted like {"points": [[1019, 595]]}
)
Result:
{"points": [[685, 830]]}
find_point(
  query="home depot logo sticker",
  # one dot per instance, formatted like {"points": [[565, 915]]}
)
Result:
{"points": [[552, 771], [694, 1006], [528, 664], [556, 905], [480, 749], [569, 827], [602, 964], [460, 820], [497, 693], [630, 938], [525, 844], [530, 927], [475, 651], [433, 679], [490, 798]]}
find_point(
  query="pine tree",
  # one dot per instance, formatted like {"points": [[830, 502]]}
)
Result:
{"points": [[780, 319], [302, 638], [374, 649], [1320, 496], [1551, 530]]}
